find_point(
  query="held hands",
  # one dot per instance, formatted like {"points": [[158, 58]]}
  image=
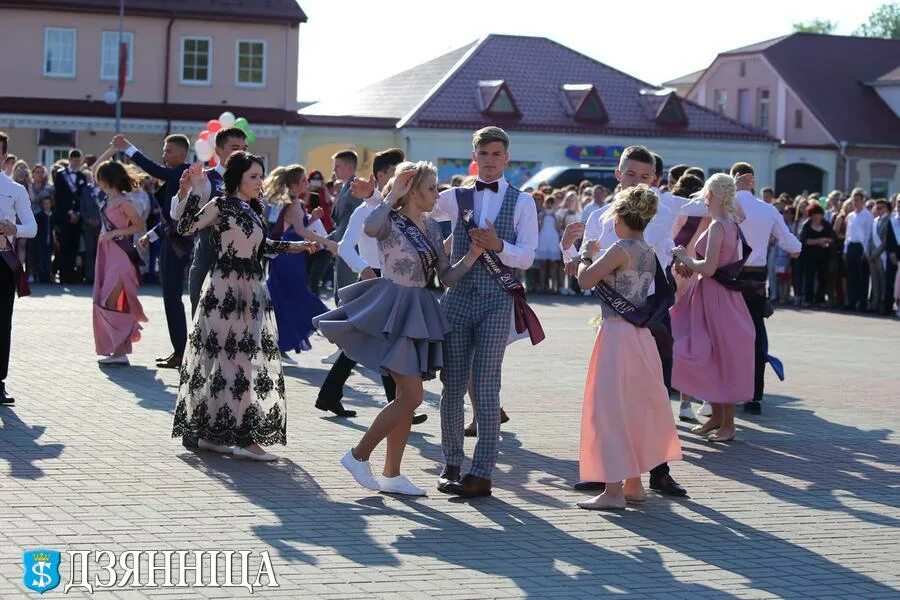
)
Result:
{"points": [[682, 270], [332, 247], [474, 251], [571, 268], [487, 238], [368, 273], [197, 176], [573, 233], [120, 142], [317, 213], [144, 241], [363, 189], [591, 247], [108, 236], [680, 253], [7, 227]]}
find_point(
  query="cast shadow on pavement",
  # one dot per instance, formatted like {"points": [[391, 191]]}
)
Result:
{"points": [[19, 447], [151, 392], [827, 463], [306, 514]]}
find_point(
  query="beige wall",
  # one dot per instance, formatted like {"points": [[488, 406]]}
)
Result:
{"points": [[318, 144], [25, 29]]}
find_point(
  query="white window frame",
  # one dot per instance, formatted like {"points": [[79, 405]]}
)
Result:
{"points": [[70, 75], [760, 101], [196, 82], [237, 63], [45, 155], [720, 100], [128, 38]]}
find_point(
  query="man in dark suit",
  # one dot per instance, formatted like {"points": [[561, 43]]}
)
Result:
{"points": [[228, 141], [69, 184], [345, 163], [175, 250]]}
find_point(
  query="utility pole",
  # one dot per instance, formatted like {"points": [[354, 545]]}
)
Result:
{"points": [[120, 87]]}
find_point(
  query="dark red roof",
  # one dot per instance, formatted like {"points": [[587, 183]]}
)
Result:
{"points": [[251, 11], [535, 70], [148, 110], [830, 74]]}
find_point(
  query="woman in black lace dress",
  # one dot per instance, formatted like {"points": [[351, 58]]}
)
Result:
{"points": [[231, 393]]}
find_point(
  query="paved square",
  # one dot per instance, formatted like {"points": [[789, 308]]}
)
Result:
{"points": [[805, 503]]}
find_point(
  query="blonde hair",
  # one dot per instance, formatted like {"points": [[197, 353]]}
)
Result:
{"points": [[636, 206], [722, 185], [422, 169], [276, 185]]}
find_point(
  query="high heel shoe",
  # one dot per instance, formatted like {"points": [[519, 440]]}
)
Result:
{"points": [[715, 437]]}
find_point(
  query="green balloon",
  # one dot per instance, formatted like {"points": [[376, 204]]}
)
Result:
{"points": [[251, 137], [241, 123]]}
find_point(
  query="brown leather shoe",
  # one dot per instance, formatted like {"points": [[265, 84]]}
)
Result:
{"points": [[469, 487], [450, 474], [173, 362]]}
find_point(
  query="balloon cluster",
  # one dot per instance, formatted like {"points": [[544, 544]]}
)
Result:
{"points": [[206, 140]]}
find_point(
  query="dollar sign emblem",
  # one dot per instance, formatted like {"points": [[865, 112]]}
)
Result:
{"points": [[43, 579]]}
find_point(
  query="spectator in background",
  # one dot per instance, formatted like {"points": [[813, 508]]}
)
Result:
{"points": [[768, 195], [783, 261], [42, 250], [41, 189], [817, 237], [70, 185], [533, 274], [89, 208], [877, 255], [894, 256], [567, 214], [22, 176], [858, 230], [599, 195], [548, 255]]}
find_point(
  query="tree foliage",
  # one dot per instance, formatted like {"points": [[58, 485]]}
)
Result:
{"points": [[816, 26], [883, 23]]}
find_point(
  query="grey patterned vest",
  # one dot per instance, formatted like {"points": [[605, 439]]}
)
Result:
{"points": [[477, 284]]}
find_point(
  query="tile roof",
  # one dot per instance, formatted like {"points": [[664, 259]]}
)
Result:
{"points": [[830, 74], [757, 47], [535, 70], [252, 11], [892, 76], [390, 98]]}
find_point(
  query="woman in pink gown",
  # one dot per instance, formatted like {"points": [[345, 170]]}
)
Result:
{"points": [[711, 326], [626, 421], [117, 310]]}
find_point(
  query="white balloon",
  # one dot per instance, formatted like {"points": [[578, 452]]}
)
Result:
{"points": [[203, 149], [227, 119]]}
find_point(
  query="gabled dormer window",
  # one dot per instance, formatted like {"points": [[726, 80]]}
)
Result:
{"points": [[671, 112], [496, 99], [584, 103]]}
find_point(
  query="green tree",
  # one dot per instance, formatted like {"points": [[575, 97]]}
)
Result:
{"points": [[883, 23], [816, 26]]}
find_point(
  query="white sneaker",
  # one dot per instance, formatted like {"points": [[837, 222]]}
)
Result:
{"points": [[686, 413], [705, 409], [121, 359], [331, 358], [287, 359], [204, 445], [361, 471], [398, 485]]}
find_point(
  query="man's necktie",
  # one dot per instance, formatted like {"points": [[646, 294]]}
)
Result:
{"points": [[493, 186]]}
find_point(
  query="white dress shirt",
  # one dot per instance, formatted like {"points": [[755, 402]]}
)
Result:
{"points": [[859, 228], [761, 222], [590, 208], [487, 206], [15, 202], [359, 250], [658, 233]]}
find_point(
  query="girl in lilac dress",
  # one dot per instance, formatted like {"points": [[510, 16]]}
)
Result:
{"points": [[117, 310], [711, 326], [394, 325]]}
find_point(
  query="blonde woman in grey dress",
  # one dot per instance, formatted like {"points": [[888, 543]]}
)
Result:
{"points": [[393, 324]]}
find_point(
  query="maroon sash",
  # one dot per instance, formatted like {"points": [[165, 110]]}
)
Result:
{"points": [[126, 244], [502, 274], [11, 258], [278, 228], [687, 231], [419, 240]]}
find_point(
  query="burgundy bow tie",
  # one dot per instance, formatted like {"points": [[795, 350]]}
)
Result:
{"points": [[493, 186]]}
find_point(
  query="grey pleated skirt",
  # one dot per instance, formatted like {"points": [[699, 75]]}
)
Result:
{"points": [[388, 327]]}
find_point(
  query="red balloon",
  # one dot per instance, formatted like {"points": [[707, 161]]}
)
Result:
{"points": [[203, 135], [212, 161], [473, 168], [213, 126]]}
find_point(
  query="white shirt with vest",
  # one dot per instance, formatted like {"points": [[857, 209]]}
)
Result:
{"points": [[487, 205], [360, 251], [14, 202]]}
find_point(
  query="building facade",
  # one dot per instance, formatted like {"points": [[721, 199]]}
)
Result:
{"points": [[187, 63], [832, 101]]}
